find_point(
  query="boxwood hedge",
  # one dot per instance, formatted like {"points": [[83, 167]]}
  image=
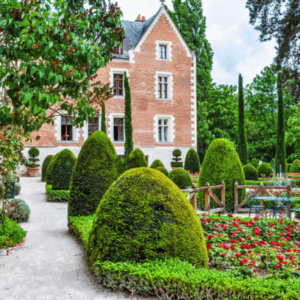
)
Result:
{"points": [[45, 166]]}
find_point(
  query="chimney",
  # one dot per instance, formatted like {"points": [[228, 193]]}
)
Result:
{"points": [[139, 19]]}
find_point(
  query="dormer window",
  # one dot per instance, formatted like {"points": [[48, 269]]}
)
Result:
{"points": [[119, 49]]}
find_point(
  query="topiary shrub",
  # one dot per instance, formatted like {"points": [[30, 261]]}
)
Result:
{"points": [[254, 163], [17, 188], [295, 167], [62, 169], [192, 161], [144, 216], [136, 159], [273, 163], [18, 210], [157, 163], [33, 154], [163, 170], [181, 178], [264, 169], [177, 163], [45, 166], [94, 172], [221, 162], [49, 170], [250, 172]]}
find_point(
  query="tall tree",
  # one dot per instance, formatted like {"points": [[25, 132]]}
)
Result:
{"points": [[128, 118], [103, 118], [242, 140], [280, 146]]}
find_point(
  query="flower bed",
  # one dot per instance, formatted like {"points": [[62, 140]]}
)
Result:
{"points": [[12, 234], [56, 195]]}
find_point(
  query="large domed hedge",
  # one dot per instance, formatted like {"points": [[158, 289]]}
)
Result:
{"points": [[136, 159], [157, 163], [250, 172], [192, 161], [62, 169], [221, 162], [49, 170], [45, 166], [295, 167], [93, 174], [144, 216], [181, 178], [264, 169]]}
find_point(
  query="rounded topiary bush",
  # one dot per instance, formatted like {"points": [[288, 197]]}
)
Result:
{"points": [[62, 169], [144, 216], [295, 167], [221, 163], [181, 178], [264, 169], [49, 170], [18, 210], [45, 165], [136, 159], [157, 163], [192, 161], [94, 172], [254, 163], [163, 170], [250, 172]]}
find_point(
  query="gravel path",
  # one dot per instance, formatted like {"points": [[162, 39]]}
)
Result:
{"points": [[51, 264]]}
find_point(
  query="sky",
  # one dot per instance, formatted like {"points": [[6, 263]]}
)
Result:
{"points": [[234, 41]]}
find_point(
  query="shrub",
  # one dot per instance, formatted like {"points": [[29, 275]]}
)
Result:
{"points": [[17, 188], [181, 178], [295, 167], [18, 210], [250, 172], [45, 166], [273, 163], [221, 162], [163, 170], [145, 216], [264, 169], [192, 161], [33, 154], [157, 163], [254, 163], [177, 163], [94, 172], [49, 170], [136, 159], [288, 167], [56, 195], [62, 169]]}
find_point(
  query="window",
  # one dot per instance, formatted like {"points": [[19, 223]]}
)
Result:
{"points": [[93, 125], [118, 84], [163, 87], [118, 49], [162, 52], [118, 129], [66, 129], [163, 130]]}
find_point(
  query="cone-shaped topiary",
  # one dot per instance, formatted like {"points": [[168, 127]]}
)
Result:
{"points": [[136, 159], [144, 216], [221, 162], [45, 166], [157, 163], [94, 172], [181, 178], [49, 170], [163, 170], [254, 163], [192, 161], [295, 167], [264, 169], [62, 169], [250, 172]]}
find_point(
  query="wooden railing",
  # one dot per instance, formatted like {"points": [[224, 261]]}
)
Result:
{"points": [[261, 190], [208, 193]]}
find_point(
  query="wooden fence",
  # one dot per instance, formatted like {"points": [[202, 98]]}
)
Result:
{"points": [[208, 193]]}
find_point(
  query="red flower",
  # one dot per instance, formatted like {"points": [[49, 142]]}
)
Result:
{"points": [[232, 247], [208, 245], [242, 262], [249, 238], [230, 215], [238, 254], [222, 254], [15, 135], [277, 267], [209, 236], [254, 270]]}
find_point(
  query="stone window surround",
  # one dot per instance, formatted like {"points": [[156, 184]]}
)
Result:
{"points": [[117, 71], [57, 126], [86, 128], [168, 48], [110, 130], [170, 84], [171, 130]]}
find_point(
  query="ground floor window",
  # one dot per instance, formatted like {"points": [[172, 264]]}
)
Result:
{"points": [[66, 129], [118, 129], [93, 125]]}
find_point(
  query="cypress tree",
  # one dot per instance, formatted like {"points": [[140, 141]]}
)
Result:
{"points": [[128, 118], [280, 146], [103, 120], [242, 143]]}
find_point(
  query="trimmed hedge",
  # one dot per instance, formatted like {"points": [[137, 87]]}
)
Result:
{"points": [[144, 216], [176, 163], [136, 159], [265, 169], [62, 169], [49, 170], [254, 163], [56, 195], [93, 174], [181, 178], [163, 170], [192, 161], [221, 162], [45, 165], [250, 172], [295, 167], [19, 210], [157, 163]]}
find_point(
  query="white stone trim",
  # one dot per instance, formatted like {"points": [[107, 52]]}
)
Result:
{"points": [[170, 84], [171, 129], [194, 102], [168, 48], [110, 132], [111, 78], [57, 127]]}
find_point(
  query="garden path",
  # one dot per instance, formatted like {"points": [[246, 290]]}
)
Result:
{"points": [[51, 264]]}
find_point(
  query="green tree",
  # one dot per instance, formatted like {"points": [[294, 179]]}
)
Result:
{"points": [[103, 119], [293, 131], [242, 141], [128, 118]]}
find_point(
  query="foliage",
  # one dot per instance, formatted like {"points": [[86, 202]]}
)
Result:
{"points": [[221, 163], [250, 172], [145, 216], [11, 234], [62, 169], [94, 172], [264, 169], [17, 188], [242, 139], [136, 159], [128, 118], [56, 195], [272, 164], [254, 163], [181, 178], [177, 159], [192, 161], [18, 210], [293, 131], [45, 166], [33, 154], [295, 167], [49, 170], [157, 163], [163, 170], [103, 118]]}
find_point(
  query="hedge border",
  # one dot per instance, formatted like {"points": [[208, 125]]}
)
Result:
{"points": [[56, 195]]}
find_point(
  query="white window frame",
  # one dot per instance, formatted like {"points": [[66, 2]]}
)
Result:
{"points": [[171, 131], [86, 127], [168, 50], [57, 124], [114, 71], [111, 118], [170, 85]]}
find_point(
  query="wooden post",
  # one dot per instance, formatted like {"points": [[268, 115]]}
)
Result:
{"points": [[207, 198], [289, 191], [223, 200], [261, 192], [235, 197], [194, 202]]}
